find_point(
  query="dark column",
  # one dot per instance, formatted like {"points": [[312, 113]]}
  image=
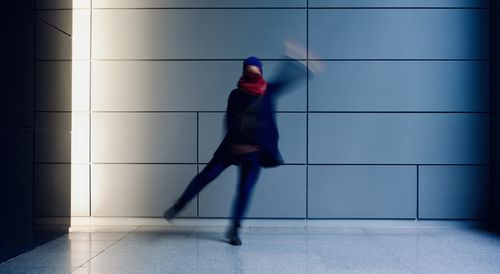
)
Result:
{"points": [[495, 108], [34, 200]]}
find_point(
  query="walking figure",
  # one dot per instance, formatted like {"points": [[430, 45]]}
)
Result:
{"points": [[251, 141]]}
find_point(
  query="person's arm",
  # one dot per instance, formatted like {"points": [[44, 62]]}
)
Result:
{"points": [[293, 71], [288, 74]]}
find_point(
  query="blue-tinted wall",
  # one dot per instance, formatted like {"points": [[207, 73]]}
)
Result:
{"points": [[396, 127]]}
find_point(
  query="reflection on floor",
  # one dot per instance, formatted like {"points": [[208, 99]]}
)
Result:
{"points": [[187, 249]]}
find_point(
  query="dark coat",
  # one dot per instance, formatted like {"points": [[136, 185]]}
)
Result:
{"points": [[251, 119]]}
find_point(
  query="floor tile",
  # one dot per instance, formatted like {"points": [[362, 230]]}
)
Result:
{"points": [[276, 249]]}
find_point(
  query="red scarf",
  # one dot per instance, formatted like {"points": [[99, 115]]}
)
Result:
{"points": [[252, 83]]}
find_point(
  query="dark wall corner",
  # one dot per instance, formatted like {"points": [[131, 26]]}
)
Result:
{"points": [[35, 193], [495, 109]]}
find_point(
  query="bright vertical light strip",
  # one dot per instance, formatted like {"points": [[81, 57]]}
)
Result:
{"points": [[80, 116]]}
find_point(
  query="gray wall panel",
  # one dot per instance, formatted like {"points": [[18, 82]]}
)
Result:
{"points": [[196, 34], [53, 121], [399, 33], [453, 192], [144, 137], [362, 192], [52, 146], [398, 138], [197, 3], [80, 190], [139, 190], [401, 86], [53, 137], [51, 189], [162, 71], [279, 193], [53, 86], [63, 4], [400, 3], [211, 132], [175, 85], [292, 142]]}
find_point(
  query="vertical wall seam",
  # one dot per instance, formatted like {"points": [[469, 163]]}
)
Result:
{"points": [[197, 159], [90, 109], [307, 110], [418, 189], [492, 118], [34, 120]]}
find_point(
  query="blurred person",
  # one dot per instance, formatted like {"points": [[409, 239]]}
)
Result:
{"points": [[251, 141]]}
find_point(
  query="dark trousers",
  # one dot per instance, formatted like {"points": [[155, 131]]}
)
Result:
{"points": [[249, 168]]}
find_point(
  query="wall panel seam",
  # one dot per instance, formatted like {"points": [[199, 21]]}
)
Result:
{"points": [[279, 112], [291, 8], [282, 59], [54, 27], [205, 8], [399, 8]]}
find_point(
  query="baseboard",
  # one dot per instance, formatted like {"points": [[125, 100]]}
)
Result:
{"points": [[133, 221]]}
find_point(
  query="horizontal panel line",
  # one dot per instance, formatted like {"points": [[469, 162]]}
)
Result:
{"points": [[205, 8], [17, 128], [141, 163], [399, 164], [55, 130], [398, 8], [284, 59], [56, 111], [292, 218], [289, 8], [318, 112], [451, 219], [64, 163], [65, 111], [416, 112], [55, 163], [191, 59], [403, 59], [368, 218], [285, 164], [252, 218], [175, 111], [53, 60], [60, 9], [288, 164], [51, 25]]}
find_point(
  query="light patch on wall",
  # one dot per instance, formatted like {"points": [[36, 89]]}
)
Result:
{"points": [[80, 118]]}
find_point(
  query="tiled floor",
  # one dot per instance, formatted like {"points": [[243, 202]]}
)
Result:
{"points": [[183, 249]]}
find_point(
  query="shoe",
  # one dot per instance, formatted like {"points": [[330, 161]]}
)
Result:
{"points": [[235, 240], [170, 213], [232, 235]]}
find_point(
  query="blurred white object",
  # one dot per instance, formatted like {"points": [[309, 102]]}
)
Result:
{"points": [[296, 51]]}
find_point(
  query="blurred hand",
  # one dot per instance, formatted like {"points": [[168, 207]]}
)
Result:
{"points": [[296, 51]]}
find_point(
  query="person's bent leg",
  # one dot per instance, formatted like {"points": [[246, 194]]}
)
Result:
{"points": [[213, 169], [249, 173]]}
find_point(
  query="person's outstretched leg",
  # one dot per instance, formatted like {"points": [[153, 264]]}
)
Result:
{"points": [[249, 173], [207, 175]]}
